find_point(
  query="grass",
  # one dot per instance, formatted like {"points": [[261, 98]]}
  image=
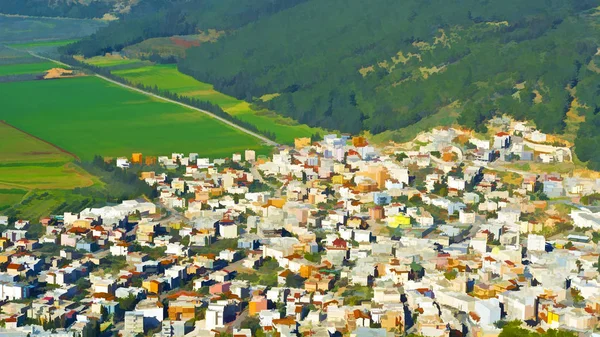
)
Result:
{"points": [[89, 116], [36, 204], [28, 163], [31, 29], [167, 77], [171, 46], [10, 56], [20, 148], [446, 116], [27, 68], [109, 61], [37, 44], [61, 176], [10, 197]]}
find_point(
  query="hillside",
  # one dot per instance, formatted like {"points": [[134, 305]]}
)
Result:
{"points": [[352, 65], [159, 18]]}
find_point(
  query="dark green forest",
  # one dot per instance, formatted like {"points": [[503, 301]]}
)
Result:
{"points": [[353, 65], [160, 18]]}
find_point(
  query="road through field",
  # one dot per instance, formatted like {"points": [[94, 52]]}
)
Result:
{"points": [[232, 124]]}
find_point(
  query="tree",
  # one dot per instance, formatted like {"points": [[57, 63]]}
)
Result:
{"points": [[576, 295], [128, 303], [252, 323], [294, 281]]}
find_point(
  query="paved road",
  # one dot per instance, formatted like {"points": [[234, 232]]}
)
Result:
{"points": [[232, 124]]}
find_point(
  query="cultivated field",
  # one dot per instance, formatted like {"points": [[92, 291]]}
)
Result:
{"points": [[40, 44], [171, 46], [27, 68], [19, 148], [28, 163], [167, 77], [89, 116], [109, 61], [20, 29]]}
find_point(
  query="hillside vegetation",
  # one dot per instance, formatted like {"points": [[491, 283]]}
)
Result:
{"points": [[359, 65], [159, 18], [356, 66]]}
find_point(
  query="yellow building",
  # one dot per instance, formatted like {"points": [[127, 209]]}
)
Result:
{"points": [[136, 158], [153, 286], [82, 223], [553, 318], [151, 160], [3, 243], [276, 202], [359, 141], [182, 311], [398, 220], [301, 142], [337, 179]]}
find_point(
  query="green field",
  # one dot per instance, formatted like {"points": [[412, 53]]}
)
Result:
{"points": [[27, 68], [109, 61], [29, 163], [10, 197], [15, 29], [21, 148], [37, 44], [89, 116], [167, 77], [13, 56]]}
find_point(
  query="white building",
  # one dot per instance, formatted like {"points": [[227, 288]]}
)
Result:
{"points": [[120, 249], [229, 231], [584, 218], [123, 162], [488, 311], [536, 243]]}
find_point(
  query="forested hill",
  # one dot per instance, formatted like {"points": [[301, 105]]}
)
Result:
{"points": [[378, 65], [161, 18], [354, 65]]}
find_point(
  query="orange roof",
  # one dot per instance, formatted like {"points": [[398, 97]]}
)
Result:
{"points": [[284, 321]]}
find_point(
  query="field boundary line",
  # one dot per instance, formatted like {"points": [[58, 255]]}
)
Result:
{"points": [[42, 140], [221, 119]]}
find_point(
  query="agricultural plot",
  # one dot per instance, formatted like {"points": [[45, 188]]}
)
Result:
{"points": [[46, 48], [27, 68], [28, 163], [171, 46], [41, 44], [167, 77], [13, 56], [109, 61], [19, 29], [20, 148], [89, 116]]}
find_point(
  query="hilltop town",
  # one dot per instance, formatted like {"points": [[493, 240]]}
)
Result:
{"points": [[454, 234]]}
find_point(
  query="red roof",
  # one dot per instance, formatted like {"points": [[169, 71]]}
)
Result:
{"points": [[340, 243]]}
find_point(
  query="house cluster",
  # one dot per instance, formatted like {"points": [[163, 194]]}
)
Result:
{"points": [[328, 237]]}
